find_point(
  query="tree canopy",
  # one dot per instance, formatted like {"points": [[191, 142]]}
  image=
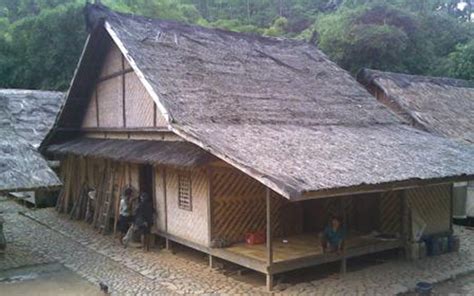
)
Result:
{"points": [[41, 40]]}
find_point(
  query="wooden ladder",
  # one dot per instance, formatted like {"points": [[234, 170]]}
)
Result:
{"points": [[104, 216]]}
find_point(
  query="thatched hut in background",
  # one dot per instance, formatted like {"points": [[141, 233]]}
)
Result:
{"points": [[25, 118], [439, 105], [238, 136]]}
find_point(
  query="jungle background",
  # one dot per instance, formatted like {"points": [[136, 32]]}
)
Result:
{"points": [[41, 40]]}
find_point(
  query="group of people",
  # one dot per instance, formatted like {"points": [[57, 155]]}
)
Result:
{"points": [[138, 219]]}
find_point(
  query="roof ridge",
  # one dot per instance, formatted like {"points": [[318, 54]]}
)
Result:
{"points": [[372, 74], [97, 12]]}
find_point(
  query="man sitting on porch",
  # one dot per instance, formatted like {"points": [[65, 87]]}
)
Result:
{"points": [[332, 238]]}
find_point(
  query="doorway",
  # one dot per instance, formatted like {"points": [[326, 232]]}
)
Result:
{"points": [[146, 180]]}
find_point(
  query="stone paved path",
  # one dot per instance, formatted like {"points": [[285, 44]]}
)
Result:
{"points": [[75, 244], [45, 245]]}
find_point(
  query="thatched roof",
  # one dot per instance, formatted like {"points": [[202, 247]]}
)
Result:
{"points": [[278, 110], [32, 112], [21, 166], [443, 106], [172, 153]]}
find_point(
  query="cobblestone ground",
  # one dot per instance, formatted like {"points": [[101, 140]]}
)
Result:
{"points": [[461, 286], [51, 236], [42, 244]]}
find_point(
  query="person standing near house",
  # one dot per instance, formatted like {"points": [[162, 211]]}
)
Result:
{"points": [[332, 238], [144, 219], [125, 218]]}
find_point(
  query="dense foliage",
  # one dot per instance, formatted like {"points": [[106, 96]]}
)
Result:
{"points": [[41, 40]]}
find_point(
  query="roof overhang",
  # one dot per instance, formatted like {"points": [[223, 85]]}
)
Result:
{"points": [[172, 153], [383, 187]]}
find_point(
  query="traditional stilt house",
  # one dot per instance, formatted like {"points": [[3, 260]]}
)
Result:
{"points": [[25, 118], [441, 106], [235, 134]]}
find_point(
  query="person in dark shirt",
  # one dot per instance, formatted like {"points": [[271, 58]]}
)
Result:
{"points": [[144, 219], [332, 238]]}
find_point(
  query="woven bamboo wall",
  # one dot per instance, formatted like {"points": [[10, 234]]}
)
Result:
{"points": [[138, 103], [112, 62], [190, 225], [160, 199], [140, 110], [90, 117], [390, 208], [134, 175], [433, 204], [81, 174], [109, 97], [239, 206]]}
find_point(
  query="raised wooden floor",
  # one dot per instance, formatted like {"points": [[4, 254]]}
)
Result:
{"points": [[300, 251], [299, 246]]}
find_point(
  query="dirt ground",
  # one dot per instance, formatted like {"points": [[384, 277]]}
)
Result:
{"points": [[45, 279]]}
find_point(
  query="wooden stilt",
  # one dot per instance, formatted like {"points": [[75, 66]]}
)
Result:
{"points": [[269, 230], [167, 244], [269, 282], [211, 263], [343, 265]]}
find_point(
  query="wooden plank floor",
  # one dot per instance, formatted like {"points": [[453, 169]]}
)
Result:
{"points": [[298, 246]]}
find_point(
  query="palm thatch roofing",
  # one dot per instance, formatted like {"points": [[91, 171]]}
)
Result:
{"points": [[443, 106], [279, 110], [171, 153], [32, 112], [21, 166]]}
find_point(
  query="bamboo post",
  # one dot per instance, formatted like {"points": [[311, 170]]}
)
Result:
{"points": [[404, 221], [344, 221], [451, 209], [118, 196], [209, 213], [269, 276], [165, 203]]}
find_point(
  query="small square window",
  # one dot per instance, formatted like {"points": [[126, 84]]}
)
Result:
{"points": [[185, 200]]}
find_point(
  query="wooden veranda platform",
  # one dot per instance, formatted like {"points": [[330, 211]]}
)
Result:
{"points": [[300, 251]]}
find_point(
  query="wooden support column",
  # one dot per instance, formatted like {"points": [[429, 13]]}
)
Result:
{"points": [[451, 209], [96, 100], [124, 117], [344, 264], [269, 276], [165, 201], [404, 220], [209, 213], [344, 221], [211, 261]]}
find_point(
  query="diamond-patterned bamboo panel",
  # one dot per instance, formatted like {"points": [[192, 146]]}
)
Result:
{"points": [[390, 211], [239, 206], [433, 204]]}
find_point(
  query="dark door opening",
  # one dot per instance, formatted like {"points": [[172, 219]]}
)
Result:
{"points": [[146, 180]]}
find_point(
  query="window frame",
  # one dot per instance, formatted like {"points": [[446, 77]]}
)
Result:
{"points": [[185, 202]]}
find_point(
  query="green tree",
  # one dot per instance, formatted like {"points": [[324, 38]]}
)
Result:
{"points": [[47, 47], [461, 61]]}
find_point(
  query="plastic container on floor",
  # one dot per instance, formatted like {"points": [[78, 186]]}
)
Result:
{"points": [[424, 288]]}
